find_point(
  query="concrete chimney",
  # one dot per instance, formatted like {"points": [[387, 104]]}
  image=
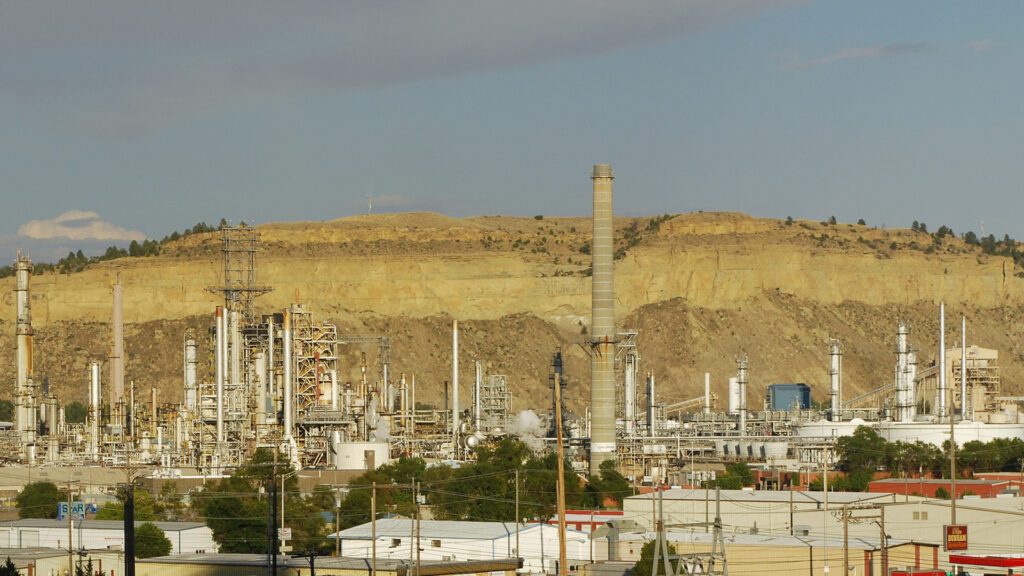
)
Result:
{"points": [[602, 325]]}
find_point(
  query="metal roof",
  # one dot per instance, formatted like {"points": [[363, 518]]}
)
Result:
{"points": [[89, 524], [426, 568], [431, 529], [767, 496], [783, 540]]}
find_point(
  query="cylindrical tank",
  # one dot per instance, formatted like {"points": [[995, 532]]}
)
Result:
{"points": [[776, 449], [734, 395]]}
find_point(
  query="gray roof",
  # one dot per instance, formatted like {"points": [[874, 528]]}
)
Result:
{"points": [[430, 529], [782, 540], [767, 496], [401, 527], [97, 524], [382, 564]]}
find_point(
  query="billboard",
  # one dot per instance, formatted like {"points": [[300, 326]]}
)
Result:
{"points": [[955, 537]]}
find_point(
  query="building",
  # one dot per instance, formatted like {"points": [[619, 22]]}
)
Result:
{"points": [[442, 540], [929, 487], [587, 520], [53, 562], [185, 537], [756, 554], [765, 510], [259, 565], [995, 525]]}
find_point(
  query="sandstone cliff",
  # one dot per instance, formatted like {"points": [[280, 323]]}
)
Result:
{"points": [[698, 287]]}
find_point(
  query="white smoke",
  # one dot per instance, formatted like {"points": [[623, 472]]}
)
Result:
{"points": [[528, 428], [382, 433]]}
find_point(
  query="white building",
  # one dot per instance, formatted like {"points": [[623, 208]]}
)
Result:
{"points": [[457, 540], [185, 537], [994, 525]]}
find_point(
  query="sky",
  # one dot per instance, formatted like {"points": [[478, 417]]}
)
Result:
{"points": [[123, 120]]}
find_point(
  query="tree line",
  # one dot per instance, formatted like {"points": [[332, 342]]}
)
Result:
{"points": [[78, 261]]}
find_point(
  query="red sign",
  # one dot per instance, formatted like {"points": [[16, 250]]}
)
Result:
{"points": [[956, 537]]}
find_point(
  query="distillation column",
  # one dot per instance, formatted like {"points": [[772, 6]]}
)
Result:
{"points": [[191, 374], [602, 325], [835, 367], [117, 350], [904, 375], [943, 409], [94, 410], [741, 380], [455, 387], [24, 416], [629, 378]]}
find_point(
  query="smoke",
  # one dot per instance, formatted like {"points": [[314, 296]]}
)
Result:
{"points": [[382, 433], [528, 428]]}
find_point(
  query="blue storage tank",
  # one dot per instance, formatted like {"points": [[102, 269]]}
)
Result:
{"points": [[789, 396]]}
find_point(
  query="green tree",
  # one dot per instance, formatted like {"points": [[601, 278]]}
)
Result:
{"points": [[88, 570], [146, 508], [150, 541], [607, 484], [736, 476], [6, 410], [643, 565], [38, 500], [75, 412], [9, 569], [237, 507]]}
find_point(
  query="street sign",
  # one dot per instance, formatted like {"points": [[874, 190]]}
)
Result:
{"points": [[77, 510], [285, 533]]}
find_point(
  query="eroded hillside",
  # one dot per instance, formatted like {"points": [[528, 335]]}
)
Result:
{"points": [[698, 287]]}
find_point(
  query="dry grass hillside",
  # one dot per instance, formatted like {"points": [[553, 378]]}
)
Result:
{"points": [[699, 288]]}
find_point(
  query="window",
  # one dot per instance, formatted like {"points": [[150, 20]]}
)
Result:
{"points": [[435, 543], [921, 515]]}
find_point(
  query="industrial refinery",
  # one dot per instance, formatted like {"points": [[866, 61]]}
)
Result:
{"points": [[270, 379]]}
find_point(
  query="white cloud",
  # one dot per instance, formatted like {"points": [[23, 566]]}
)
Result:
{"points": [[979, 45], [78, 225], [860, 52]]}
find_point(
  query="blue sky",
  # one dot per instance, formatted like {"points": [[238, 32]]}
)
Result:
{"points": [[125, 119]]}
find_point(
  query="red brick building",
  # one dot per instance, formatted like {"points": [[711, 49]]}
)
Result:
{"points": [[929, 486]]}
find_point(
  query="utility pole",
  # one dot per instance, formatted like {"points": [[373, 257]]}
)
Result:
{"points": [[517, 517], [373, 528], [417, 530], [561, 479], [846, 541], [272, 504], [952, 457], [70, 532]]}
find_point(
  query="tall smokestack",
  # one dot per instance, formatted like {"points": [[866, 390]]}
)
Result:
{"points": [[117, 351], [602, 325]]}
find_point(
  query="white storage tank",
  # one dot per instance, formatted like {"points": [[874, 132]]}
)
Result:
{"points": [[734, 395]]}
